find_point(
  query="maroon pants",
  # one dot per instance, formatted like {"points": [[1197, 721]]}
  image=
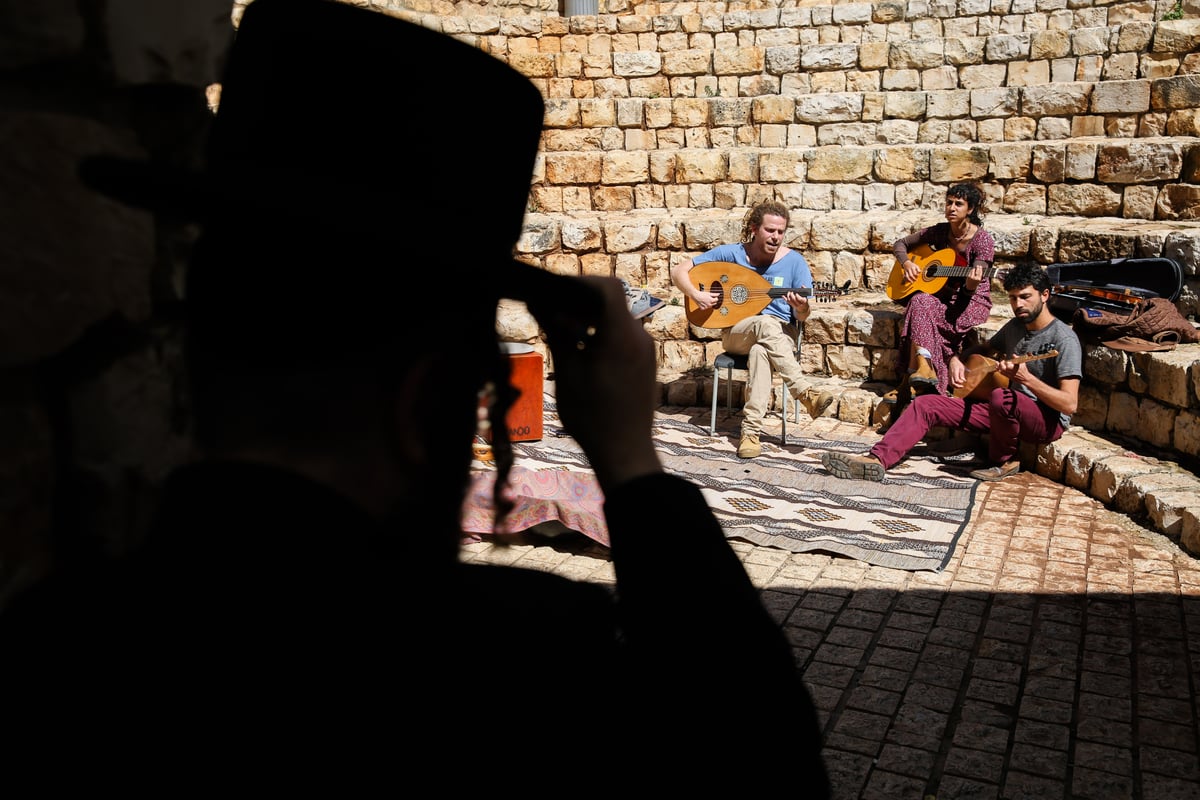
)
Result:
{"points": [[1008, 416]]}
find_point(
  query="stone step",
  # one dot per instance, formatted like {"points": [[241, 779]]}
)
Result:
{"points": [[1149, 178], [1150, 485], [840, 245]]}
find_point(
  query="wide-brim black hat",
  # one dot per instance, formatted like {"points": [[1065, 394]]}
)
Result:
{"points": [[342, 124]]}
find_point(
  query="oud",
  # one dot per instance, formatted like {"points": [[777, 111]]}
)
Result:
{"points": [[982, 375], [741, 292]]}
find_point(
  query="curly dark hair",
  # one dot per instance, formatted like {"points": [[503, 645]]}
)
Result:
{"points": [[755, 216], [1027, 274], [974, 197]]}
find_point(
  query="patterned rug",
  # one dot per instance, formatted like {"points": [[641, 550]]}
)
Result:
{"points": [[784, 498]]}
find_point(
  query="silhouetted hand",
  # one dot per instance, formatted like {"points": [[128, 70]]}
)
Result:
{"points": [[605, 383]]}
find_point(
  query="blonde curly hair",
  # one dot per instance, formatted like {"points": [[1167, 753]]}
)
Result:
{"points": [[754, 217]]}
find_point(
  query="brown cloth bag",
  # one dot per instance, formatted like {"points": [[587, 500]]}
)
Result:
{"points": [[1152, 324]]}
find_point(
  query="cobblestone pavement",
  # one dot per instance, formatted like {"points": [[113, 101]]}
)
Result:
{"points": [[1056, 656]]}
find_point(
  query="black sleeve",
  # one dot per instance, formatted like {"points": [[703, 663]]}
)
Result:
{"points": [[703, 647]]}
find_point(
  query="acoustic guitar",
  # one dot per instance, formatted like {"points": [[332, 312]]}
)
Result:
{"points": [[937, 267], [982, 375], [742, 293]]}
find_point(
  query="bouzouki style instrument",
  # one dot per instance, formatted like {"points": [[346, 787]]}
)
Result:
{"points": [[742, 293], [982, 375], [937, 267]]}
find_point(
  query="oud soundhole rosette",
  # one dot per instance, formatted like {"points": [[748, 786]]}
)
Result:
{"points": [[739, 294]]}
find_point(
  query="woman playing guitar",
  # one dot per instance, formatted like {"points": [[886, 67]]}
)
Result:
{"points": [[938, 317]]}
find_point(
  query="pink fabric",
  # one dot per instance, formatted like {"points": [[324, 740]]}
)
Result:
{"points": [[1008, 416], [539, 496]]}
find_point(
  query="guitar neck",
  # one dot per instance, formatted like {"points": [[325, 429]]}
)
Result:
{"points": [[994, 365], [961, 272]]}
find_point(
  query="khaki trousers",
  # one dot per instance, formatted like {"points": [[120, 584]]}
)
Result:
{"points": [[768, 344]]}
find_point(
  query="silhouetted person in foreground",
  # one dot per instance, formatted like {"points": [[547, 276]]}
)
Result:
{"points": [[297, 607]]}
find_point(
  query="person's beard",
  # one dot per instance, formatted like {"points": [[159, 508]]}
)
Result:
{"points": [[1033, 313]]}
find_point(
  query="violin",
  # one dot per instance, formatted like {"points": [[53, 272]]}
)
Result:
{"points": [[1129, 295]]}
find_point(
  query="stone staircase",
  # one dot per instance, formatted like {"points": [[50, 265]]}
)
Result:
{"points": [[665, 122]]}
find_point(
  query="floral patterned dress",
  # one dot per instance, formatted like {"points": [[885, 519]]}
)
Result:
{"points": [[940, 322]]}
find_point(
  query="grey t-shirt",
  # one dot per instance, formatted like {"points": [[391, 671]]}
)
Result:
{"points": [[1014, 339]]}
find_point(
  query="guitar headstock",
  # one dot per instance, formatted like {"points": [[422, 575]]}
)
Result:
{"points": [[827, 291]]}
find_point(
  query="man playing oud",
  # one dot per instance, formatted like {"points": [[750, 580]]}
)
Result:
{"points": [[770, 338], [1029, 394]]}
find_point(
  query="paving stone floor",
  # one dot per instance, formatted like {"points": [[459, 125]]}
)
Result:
{"points": [[1056, 656]]}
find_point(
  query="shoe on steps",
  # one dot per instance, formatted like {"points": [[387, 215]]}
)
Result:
{"points": [[925, 374], [820, 405], [998, 472], [844, 465], [749, 447]]}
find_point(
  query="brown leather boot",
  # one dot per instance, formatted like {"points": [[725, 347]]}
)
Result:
{"points": [[925, 377]]}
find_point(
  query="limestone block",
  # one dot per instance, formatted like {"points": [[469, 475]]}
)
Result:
{"points": [[1081, 160], [1049, 44], [680, 356], [1104, 365], [822, 109], [847, 361], [1025, 198], [905, 105], [1181, 91], [1133, 494], [1051, 128], [668, 323], [575, 168], [782, 167], [953, 164], [1166, 507], [687, 62], [856, 405], [1177, 36], [1139, 200], [1011, 161], [840, 230], [1121, 97], [1035, 73], [623, 167], [1178, 201], [1051, 458], [1109, 473], [1082, 458], [1184, 122], [1123, 414], [1139, 162], [1186, 436], [825, 326], [701, 166], [1092, 409], [1169, 377], [897, 164], [829, 57], [1055, 99], [684, 392], [738, 61], [994, 101], [1189, 531], [1088, 200]]}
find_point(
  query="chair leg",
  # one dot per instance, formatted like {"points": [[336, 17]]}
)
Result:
{"points": [[783, 429], [712, 424]]}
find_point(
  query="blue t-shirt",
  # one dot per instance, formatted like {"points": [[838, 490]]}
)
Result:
{"points": [[1015, 339], [789, 272]]}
